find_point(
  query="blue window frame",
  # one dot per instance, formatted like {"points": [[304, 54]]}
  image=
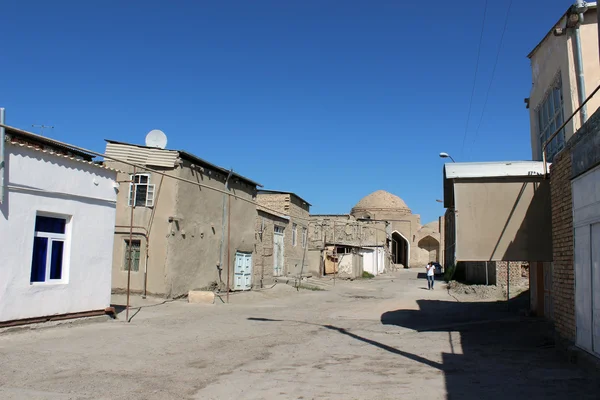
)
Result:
{"points": [[48, 249]]}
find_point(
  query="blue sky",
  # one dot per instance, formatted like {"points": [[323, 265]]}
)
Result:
{"points": [[330, 99]]}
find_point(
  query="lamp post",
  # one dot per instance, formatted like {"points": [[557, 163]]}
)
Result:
{"points": [[446, 155]]}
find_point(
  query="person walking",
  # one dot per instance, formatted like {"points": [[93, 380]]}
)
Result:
{"points": [[430, 275]]}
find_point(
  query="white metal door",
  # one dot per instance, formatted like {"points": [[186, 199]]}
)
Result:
{"points": [[595, 272], [243, 271], [278, 254], [586, 220]]}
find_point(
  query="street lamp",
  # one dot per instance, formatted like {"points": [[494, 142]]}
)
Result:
{"points": [[446, 155]]}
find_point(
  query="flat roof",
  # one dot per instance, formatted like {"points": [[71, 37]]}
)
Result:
{"points": [[474, 170], [193, 158], [590, 5], [493, 169], [265, 191]]}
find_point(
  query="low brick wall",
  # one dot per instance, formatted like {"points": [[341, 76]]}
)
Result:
{"points": [[515, 268], [563, 290]]}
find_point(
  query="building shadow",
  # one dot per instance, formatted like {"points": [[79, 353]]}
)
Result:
{"points": [[495, 353]]}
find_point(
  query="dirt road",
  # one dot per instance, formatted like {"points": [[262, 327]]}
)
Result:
{"points": [[385, 338]]}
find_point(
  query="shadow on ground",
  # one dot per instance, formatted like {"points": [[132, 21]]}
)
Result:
{"points": [[495, 353], [501, 355]]}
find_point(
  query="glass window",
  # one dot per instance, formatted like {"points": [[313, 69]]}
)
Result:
{"points": [[141, 191], [132, 250], [48, 249], [550, 117]]}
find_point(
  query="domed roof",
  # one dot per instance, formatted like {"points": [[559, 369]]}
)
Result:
{"points": [[381, 200], [432, 226]]}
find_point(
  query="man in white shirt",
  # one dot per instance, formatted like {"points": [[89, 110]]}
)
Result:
{"points": [[430, 275]]}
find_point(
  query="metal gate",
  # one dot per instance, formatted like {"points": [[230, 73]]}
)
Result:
{"points": [[243, 271], [278, 251]]}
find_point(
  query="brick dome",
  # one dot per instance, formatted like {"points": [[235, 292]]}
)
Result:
{"points": [[380, 201]]}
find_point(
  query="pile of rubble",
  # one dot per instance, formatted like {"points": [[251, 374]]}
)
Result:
{"points": [[487, 292], [478, 291]]}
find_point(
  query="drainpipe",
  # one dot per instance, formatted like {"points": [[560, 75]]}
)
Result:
{"points": [[580, 7], [221, 255], [2, 163]]}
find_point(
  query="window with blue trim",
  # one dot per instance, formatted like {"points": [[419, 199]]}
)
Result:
{"points": [[48, 249]]}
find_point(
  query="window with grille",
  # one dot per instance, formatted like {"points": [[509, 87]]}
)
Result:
{"points": [[132, 251], [141, 192], [549, 118], [48, 249], [278, 229]]}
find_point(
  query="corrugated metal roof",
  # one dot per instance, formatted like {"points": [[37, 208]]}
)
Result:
{"points": [[142, 155], [61, 154], [493, 169], [161, 157], [32, 140]]}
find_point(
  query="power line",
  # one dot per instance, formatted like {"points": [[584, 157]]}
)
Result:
{"points": [[474, 78], [493, 71]]}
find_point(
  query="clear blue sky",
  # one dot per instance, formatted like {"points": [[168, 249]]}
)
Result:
{"points": [[330, 99]]}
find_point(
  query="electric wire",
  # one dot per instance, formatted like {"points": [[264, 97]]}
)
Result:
{"points": [[487, 93], [474, 78]]}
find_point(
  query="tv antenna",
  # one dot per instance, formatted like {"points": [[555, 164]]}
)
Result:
{"points": [[156, 138], [42, 127]]}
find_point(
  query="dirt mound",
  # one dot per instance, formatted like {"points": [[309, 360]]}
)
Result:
{"points": [[478, 291]]}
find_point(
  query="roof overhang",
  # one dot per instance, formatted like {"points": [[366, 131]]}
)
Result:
{"points": [[507, 170]]}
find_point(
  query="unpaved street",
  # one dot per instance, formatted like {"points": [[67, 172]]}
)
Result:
{"points": [[385, 338]]}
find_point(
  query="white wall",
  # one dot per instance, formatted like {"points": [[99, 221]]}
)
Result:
{"points": [[44, 182]]}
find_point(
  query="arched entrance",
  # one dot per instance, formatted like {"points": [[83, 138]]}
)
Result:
{"points": [[430, 246], [400, 249]]}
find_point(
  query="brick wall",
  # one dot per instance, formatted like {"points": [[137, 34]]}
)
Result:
{"points": [[263, 268], [515, 268], [563, 273], [295, 256]]}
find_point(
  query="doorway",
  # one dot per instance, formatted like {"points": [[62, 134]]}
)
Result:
{"points": [[400, 249], [242, 274], [278, 250]]}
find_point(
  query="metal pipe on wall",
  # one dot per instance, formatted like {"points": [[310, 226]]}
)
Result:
{"points": [[579, 63], [221, 249], [2, 157], [130, 246], [228, 245]]}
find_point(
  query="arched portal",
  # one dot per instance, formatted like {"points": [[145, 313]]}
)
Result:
{"points": [[430, 246], [400, 249]]}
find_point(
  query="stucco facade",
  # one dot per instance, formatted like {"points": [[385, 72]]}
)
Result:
{"points": [[296, 234], [46, 182], [268, 258], [369, 238], [182, 234], [553, 67]]}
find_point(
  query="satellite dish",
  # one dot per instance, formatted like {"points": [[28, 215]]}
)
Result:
{"points": [[156, 138]]}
